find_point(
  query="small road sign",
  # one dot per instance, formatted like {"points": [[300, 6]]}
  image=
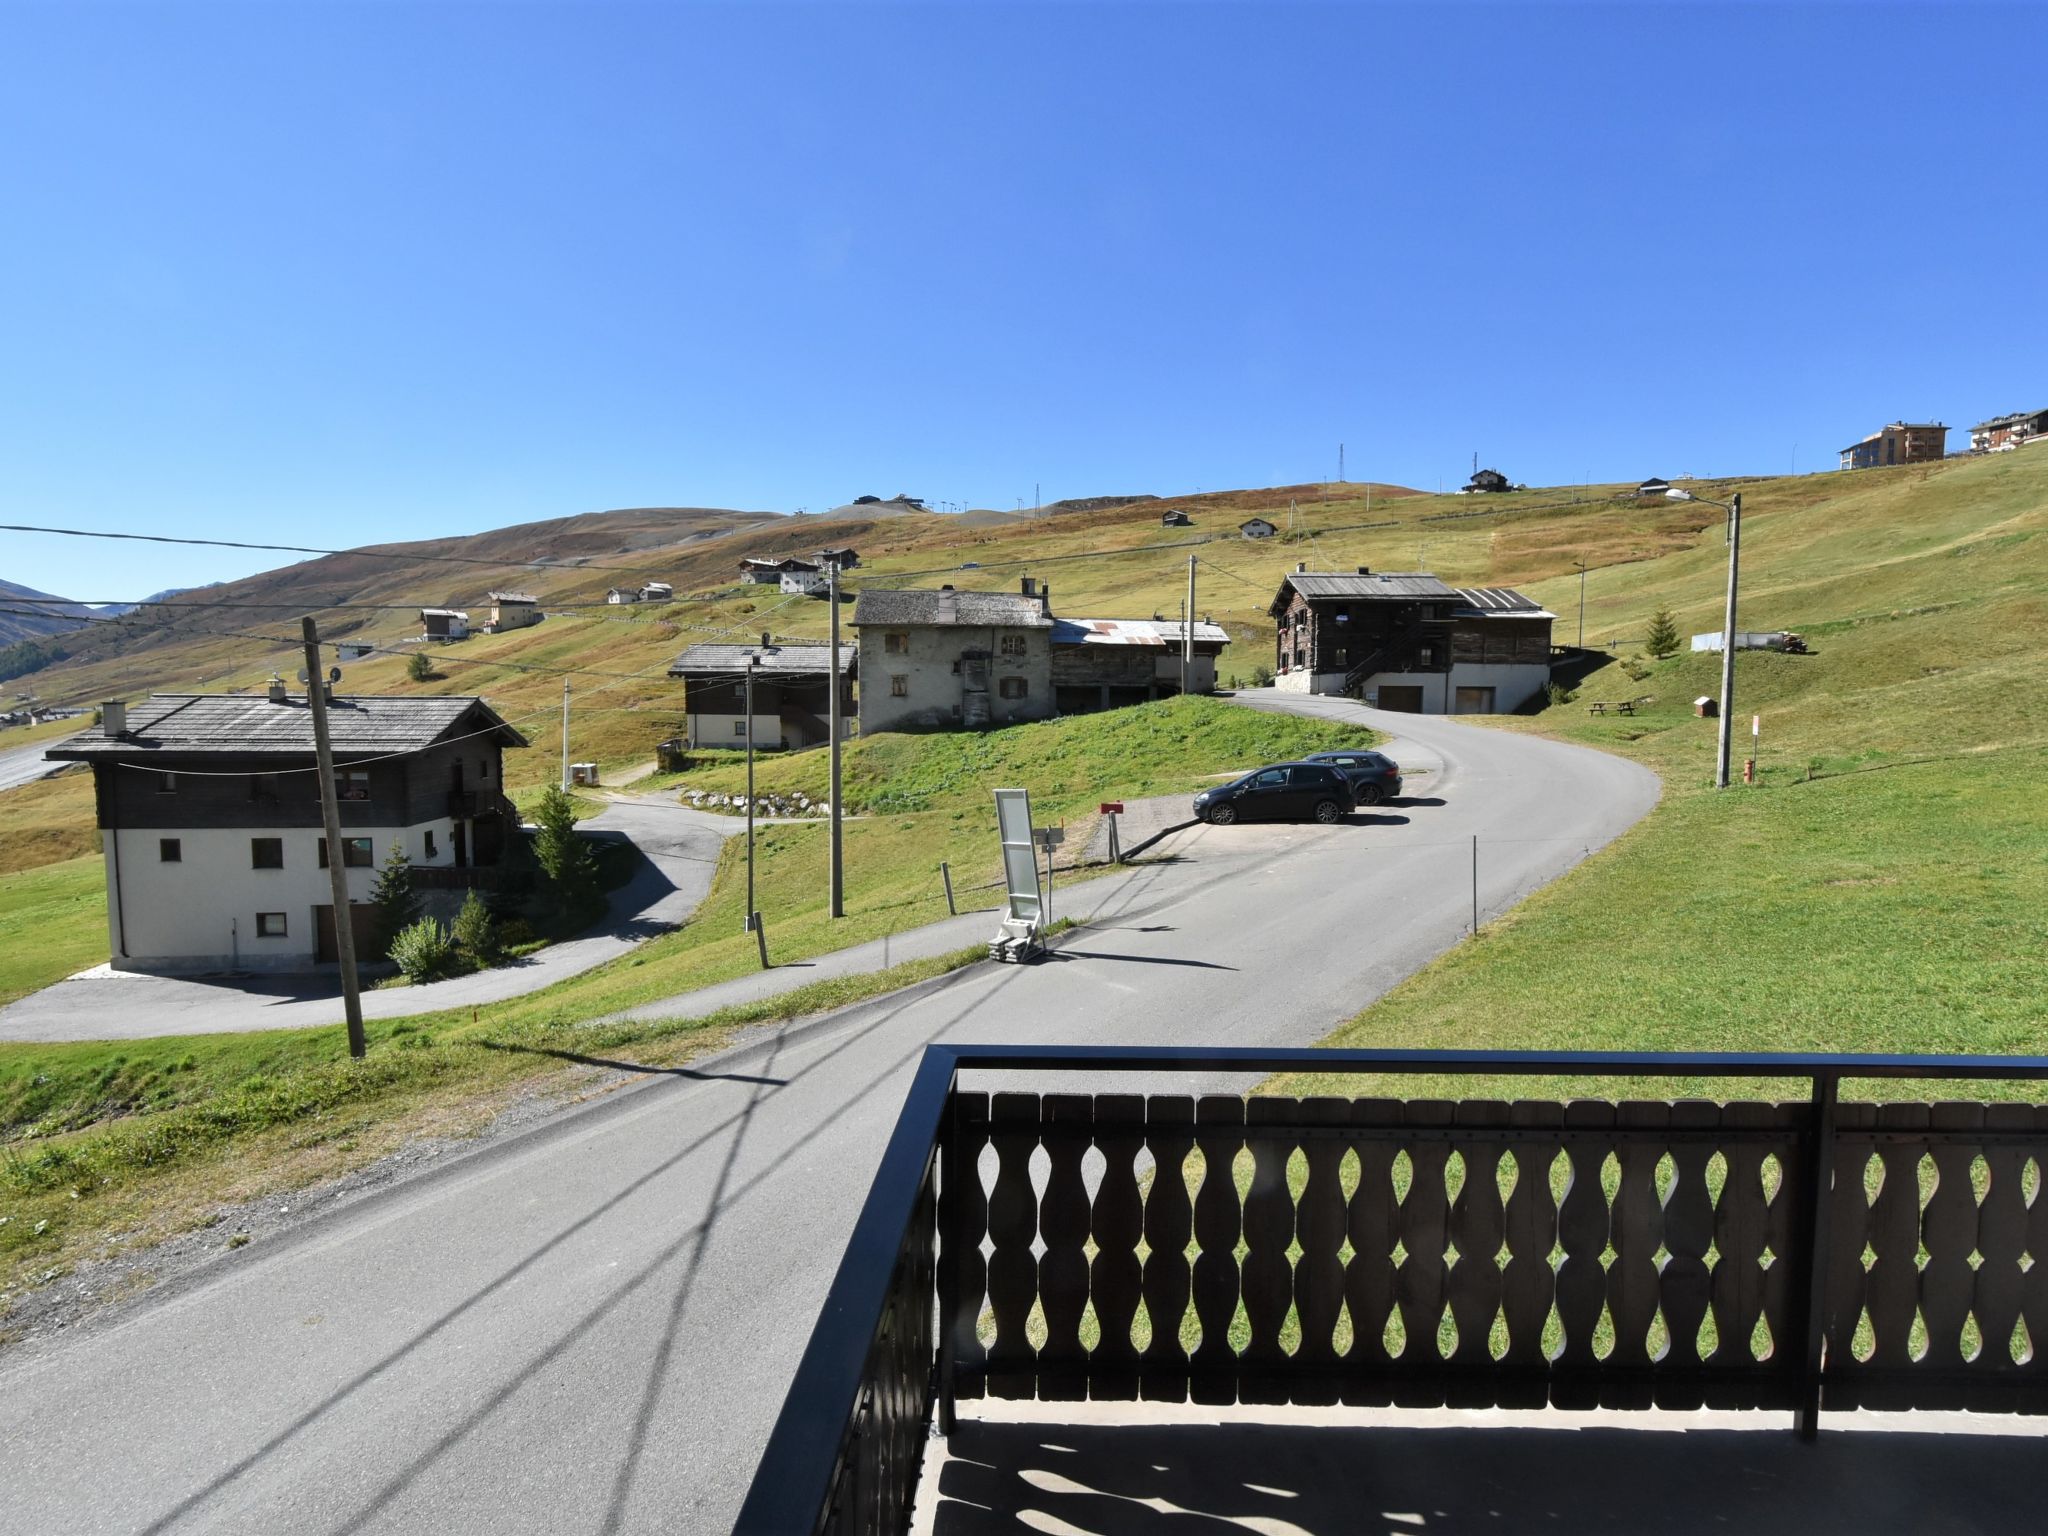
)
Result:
{"points": [[1051, 837], [1112, 807]]}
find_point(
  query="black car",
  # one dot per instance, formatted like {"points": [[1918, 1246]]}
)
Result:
{"points": [[1373, 775], [1284, 792]]}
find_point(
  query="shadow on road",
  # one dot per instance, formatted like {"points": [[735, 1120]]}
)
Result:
{"points": [[632, 1066], [1091, 954]]}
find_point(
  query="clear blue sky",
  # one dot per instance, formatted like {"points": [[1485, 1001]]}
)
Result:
{"points": [[348, 273]]}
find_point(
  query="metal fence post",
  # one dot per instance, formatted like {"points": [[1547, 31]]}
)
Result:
{"points": [[946, 874], [1820, 1179]]}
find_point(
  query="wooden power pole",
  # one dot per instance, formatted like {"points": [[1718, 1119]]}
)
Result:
{"points": [[337, 859]]}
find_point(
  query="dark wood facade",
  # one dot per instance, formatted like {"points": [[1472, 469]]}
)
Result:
{"points": [[1365, 635]]}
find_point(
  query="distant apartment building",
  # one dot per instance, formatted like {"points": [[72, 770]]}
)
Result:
{"points": [[1900, 443], [2005, 432]]}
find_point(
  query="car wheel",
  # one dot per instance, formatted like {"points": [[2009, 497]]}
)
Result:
{"points": [[1370, 794], [1222, 815], [1329, 812]]}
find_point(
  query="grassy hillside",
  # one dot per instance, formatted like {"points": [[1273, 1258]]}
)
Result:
{"points": [[1883, 886]]}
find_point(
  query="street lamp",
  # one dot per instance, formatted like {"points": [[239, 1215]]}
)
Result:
{"points": [[1733, 507]]}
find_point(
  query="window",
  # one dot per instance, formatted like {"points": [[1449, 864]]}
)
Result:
{"points": [[896, 642], [167, 783], [355, 853], [170, 850], [351, 784], [430, 843], [270, 925], [739, 727], [1013, 645], [899, 685], [266, 853], [1013, 687], [483, 768], [1272, 778]]}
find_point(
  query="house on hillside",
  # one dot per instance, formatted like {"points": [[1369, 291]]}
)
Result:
{"points": [[512, 610], [1404, 640], [620, 596], [844, 559], [1256, 528], [2006, 432], [806, 583], [210, 821], [1900, 443], [792, 694], [657, 592], [444, 624], [933, 660], [768, 571], [1107, 663], [1653, 487], [1487, 482], [1175, 519]]}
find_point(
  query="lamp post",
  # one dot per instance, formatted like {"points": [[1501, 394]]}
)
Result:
{"points": [[1733, 507]]}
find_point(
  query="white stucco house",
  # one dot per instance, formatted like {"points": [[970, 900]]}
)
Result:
{"points": [[210, 822]]}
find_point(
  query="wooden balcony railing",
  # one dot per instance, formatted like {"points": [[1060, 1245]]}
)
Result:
{"points": [[1378, 1251]]}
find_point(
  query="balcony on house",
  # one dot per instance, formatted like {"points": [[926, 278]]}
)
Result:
{"points": [[1761, 1311]]}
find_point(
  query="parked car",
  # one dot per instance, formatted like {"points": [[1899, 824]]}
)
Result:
{"points": [[1283, 792], [1374, 776]]}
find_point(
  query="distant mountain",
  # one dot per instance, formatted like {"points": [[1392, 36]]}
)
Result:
{"points": [[116, 610], [47, 615]]}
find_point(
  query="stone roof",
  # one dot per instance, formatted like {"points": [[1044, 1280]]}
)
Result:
{"points": [[923, 606], [722, 660], [1500, 603], [188, 724], [1161, 633]]}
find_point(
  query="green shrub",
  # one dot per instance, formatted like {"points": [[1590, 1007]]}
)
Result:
{"points": [[476, 931], [423, 951], [1635, 669], [1262, 676], [1559, 694], [394, 896], [419, 667], [563, 856]]}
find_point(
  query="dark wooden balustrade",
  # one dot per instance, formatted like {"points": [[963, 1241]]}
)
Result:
{"points": [[1380, 1251]]}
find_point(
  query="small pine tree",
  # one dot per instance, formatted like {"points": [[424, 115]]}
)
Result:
{"points": [[419, 667], [1662, 640], [476, 931], [563, 856], [395, 897]]}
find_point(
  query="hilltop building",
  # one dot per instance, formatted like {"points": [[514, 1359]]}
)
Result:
{"points": [[2005, 432], [620, 596], [806, 583], [792, 694], [444, 624], [210, 823], [1175, 519], [845, 559], [1489, 481], [1900, 443], [657, 592], [1404, 640], [768, 571], [1256, 528]]}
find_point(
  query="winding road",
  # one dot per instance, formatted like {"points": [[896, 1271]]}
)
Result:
{"points": [[589, 1327]]}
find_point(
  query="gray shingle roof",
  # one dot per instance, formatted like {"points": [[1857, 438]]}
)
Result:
{"points": [[1497, 600], [1378, 584], [240, 724], [979, 610], [731, 660]]}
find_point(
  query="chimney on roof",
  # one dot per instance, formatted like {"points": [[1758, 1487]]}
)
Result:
{"points": [[114, 719], [1029, 587], [1045, 598], [949, 604], [1365, 570], [1301, 567], [278, 695], [766, 638]]}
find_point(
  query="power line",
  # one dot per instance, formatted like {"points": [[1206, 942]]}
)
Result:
{"points": [[308, 549]]}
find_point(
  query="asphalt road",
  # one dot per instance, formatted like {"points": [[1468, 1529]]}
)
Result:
{"points": [[25, 765], [590, 1327], [681, 855]]}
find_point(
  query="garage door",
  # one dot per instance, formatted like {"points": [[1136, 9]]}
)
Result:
{"points": [[1403, 697], [1473, 701]]}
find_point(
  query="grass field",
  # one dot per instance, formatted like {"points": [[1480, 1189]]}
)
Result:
{"points": [[1884, 884], [53, 921]]}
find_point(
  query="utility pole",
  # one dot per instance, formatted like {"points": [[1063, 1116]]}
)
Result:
{"points": [[1340, 463], [330, 820], [837, 877], [751, 915], [1582, 602], [565, 735], [1187, 632], [1728, 642]]}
